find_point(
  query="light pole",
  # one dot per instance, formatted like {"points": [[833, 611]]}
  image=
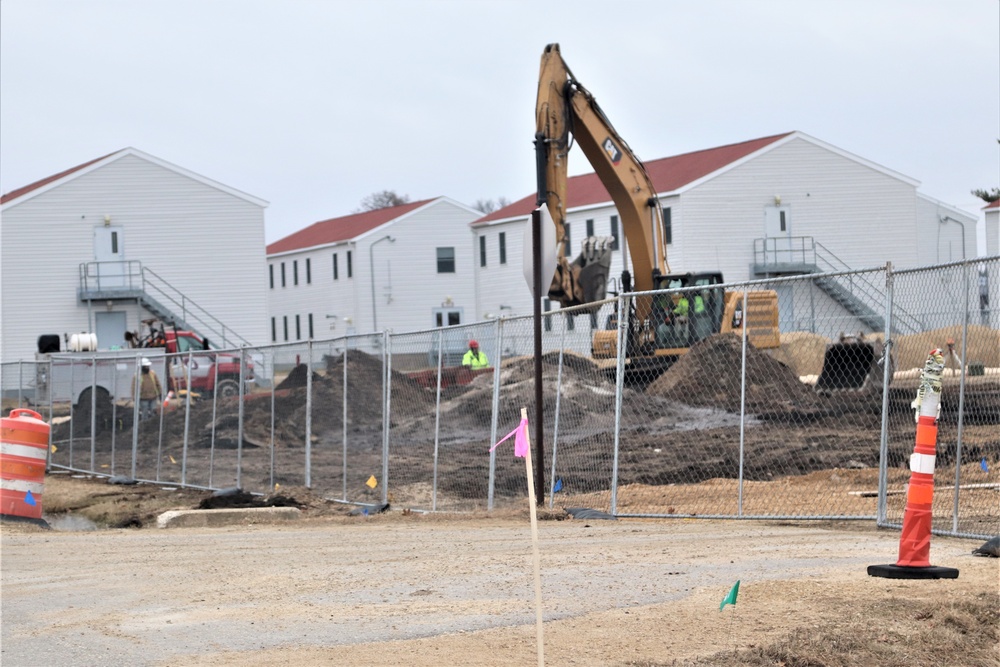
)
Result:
{"points": [[371, 263]]}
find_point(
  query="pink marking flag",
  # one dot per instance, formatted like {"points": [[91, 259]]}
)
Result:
{"points": [[520, 439]]}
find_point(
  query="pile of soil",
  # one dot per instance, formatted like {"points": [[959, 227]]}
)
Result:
{"points": [[983, 346], [705, 377]]}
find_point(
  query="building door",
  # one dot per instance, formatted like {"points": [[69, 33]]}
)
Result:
{"points": [[110, 330], [778, 235], [109, 253]]}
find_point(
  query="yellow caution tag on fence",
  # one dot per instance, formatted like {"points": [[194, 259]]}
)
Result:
{"points": [[372, 482]]}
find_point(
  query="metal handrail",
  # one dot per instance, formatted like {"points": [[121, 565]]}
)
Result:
{"points": [[807, 251], [130, 276]]}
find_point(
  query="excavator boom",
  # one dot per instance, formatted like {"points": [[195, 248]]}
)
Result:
{"points": [[566, 109]]}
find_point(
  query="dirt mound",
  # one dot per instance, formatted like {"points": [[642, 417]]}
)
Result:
{"points": [[983, 346], [705, 377]]}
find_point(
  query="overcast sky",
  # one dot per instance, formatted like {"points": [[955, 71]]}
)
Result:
{"points": [[313, 105]]}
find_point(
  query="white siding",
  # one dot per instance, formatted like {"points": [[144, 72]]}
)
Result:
{"points": [[861, 215], [992, 222], [407, 285], [203, 241], [940, 230]]}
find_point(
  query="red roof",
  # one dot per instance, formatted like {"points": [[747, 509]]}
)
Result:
{"points": [[992, 204], [668, 174], [341, 229], [20, 192]]}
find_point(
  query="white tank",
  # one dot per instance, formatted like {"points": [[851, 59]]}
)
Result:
{"points": [[83, 342]]}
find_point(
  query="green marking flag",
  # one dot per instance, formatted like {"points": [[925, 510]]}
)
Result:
{"points": [[731, 598]]}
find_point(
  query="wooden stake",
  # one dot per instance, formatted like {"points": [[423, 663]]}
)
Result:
{"points": [[536, 558]]}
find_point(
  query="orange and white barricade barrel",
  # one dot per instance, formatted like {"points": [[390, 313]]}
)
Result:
{"points": [[24, 443], [915, 539]]}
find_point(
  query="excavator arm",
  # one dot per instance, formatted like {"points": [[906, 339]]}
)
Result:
{"points": [[566, 109]]}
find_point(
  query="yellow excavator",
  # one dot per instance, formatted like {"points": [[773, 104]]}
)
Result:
{"points": [[660, 328]]}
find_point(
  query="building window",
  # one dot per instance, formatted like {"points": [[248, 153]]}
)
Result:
{"points": [[284, 322], [482, 251], [309, 277], [274, 330], [547, 320], [570, 322], [784, 224], [282, 274], [350, 268], [335, 266], [614, 232], [298, 328], [270, 270], [668, 232], [503, 247], [446, 260], [566, 240], [310, 325], [593, 321], [590, 228], [295, 272]]}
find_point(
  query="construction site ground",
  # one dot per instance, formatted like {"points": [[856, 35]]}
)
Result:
{"points": [[405, 588]]}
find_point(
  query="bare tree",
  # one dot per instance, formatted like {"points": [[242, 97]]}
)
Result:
{"points": [[383, 199], [487, 206], [989, 196]]}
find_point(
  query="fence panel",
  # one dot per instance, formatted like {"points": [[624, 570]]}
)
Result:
{"points": [[950, 302], [798, 426]]}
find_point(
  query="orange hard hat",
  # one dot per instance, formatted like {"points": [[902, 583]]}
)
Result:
{"points": [[473, 343]]}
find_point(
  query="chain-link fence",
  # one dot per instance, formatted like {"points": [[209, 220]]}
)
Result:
{"points": [[789, 397]]}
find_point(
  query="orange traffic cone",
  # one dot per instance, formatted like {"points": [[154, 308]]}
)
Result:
{"points": [[915, 539]]}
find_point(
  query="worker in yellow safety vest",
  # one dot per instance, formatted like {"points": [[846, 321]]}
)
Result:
{"points": [[475, 359]]}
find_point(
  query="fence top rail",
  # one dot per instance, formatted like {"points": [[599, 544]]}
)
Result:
{"points": [[989, 259], [805, 277]]}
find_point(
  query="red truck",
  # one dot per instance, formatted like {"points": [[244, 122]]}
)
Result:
{"points": [[210, 372]]}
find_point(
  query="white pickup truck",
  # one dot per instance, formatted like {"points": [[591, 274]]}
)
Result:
{"points": [[73, 376]]}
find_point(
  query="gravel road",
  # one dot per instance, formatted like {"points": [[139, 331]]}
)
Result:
{"points": [[331, 591]]}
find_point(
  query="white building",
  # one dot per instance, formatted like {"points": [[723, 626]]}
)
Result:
{"points": [[777, 205], [403, 268], [126, 237]]}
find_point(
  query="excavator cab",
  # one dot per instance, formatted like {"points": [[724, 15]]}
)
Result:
{"points": [[680, 319]]}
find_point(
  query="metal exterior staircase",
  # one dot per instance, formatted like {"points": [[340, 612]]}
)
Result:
{"points": [[130, 280], [857, 293]]}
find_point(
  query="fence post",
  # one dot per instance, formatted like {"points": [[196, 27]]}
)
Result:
{"points": [[494, 416], [437, 419], [883, 449], [93, 411], [309, 384], [343, 424], [215, 407], [137, 381], [239, 435], [114, 414], [555, 426], [386, 407], [187, 421], [72, 407], [743, 408], [961, 397], [273, 392], [624, 306]]}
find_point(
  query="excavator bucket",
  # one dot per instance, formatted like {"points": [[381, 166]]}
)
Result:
{"points": [[585, 280], [850, 365]]}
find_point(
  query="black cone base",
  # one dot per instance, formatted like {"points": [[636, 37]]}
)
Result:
{"points": [[905, 572]]}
